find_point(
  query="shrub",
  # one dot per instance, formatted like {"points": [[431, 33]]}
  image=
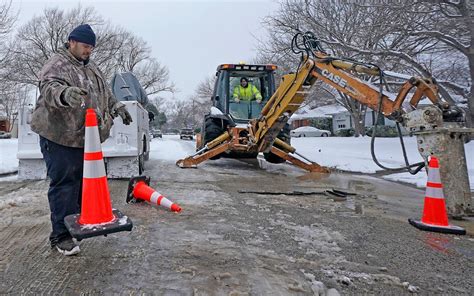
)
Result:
{"points": [[346, 132], [382, 131]]}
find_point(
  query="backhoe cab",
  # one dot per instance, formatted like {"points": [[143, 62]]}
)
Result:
{"points": [[227, 112], [228, 79]]}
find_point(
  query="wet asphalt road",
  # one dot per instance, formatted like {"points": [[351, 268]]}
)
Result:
{"points": [[225, 242]]}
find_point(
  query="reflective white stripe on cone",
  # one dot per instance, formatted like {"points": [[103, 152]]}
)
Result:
{"points": [[92, 141], [94, 169]]}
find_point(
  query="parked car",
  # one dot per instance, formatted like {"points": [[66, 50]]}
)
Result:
{"points": [[309, 131], [157, 133], [5, 135], [186, 133]]}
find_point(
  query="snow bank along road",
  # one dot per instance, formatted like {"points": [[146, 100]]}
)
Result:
{"points": [[226, 242]]}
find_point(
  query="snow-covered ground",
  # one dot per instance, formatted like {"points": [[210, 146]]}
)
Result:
{"points": [[349, 154], [353, 154], [171, 148], [8, 160]]}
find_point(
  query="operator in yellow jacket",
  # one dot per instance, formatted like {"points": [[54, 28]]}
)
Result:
{"points": [[246, 92]]}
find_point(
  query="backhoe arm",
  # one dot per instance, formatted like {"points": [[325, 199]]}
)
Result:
{"points": [[341, 75]]}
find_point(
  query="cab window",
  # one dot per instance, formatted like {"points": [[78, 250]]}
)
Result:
{"points": [[248, 108]]}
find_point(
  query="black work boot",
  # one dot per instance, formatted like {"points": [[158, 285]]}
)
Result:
{"points": [[67, 247]]}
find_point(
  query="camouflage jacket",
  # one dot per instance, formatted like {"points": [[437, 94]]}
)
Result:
{"points": [[60, 123]]}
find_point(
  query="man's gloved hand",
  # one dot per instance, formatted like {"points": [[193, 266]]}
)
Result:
{"points": [[259, 101], [74, 96], [126, 117], [236, 100]]}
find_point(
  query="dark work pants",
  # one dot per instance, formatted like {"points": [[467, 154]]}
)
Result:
{"points": [[64, 167]]}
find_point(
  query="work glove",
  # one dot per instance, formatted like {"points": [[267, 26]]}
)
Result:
{"points": [[126, 117], [74, 96], [236, 100], [259, 101]]}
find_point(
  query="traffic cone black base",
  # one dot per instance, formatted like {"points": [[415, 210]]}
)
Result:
{"points": [[451, 229], [82, 231], [131, 185]]}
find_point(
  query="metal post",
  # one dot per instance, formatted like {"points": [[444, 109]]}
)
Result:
{"points": [[448, 145]]}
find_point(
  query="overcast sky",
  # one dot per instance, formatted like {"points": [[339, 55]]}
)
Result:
{"points": [[190, 37]]}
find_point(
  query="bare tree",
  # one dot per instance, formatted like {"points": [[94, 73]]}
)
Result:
{"points": [[205, 88], [7, 20], [411, 37], [116, 49], [202, 99], [190, 112], [135, 56], [154, 77], [336, 20], [14, 97], [8, 97], [449, 24], [179, 113], [42, 36]]}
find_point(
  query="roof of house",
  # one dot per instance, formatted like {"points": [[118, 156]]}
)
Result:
{"points": [[319, 112]]}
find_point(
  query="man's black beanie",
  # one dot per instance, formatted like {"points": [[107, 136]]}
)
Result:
{"points": [[84, 34]]}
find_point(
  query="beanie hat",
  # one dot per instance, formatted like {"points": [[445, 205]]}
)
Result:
{"points": [[84, 34], [244, 78]]}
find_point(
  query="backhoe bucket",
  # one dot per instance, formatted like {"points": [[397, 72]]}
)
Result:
{"points": [[188, 162]]}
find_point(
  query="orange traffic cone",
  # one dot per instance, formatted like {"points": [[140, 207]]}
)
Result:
{"points": [[96, 211], [435, 217], [138, 189]]}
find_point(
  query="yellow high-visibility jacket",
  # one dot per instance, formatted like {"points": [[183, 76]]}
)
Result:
{"points": [[247, 93]]}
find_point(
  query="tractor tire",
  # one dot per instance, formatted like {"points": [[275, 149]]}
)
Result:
{"points": [[146, 150], [212, 130], [141, 164], [284, 135]]}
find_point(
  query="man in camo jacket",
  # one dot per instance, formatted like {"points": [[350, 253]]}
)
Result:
{"points": [[69, 84]]}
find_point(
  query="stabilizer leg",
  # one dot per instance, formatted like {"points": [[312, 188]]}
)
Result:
{"points": [[309, 166], [194, 160]]}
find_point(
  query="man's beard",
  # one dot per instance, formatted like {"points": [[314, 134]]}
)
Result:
{"points": [[85, 60]]}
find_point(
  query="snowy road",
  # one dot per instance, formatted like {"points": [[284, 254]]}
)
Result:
{"points": [[226, 242]]}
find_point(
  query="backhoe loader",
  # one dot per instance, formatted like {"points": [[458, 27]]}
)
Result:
{"points": [[237, 129]]}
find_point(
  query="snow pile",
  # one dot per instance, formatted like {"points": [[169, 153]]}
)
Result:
{"points": [[315, 239], [18, 197], [8, 160], [353, 154]]}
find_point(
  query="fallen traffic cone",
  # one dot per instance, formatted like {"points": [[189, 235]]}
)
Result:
{"points": [[138, 189], [435, 217], [96, 217]]}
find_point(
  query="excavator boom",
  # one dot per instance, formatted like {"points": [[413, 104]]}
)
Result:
{"points": [[294, 88]]}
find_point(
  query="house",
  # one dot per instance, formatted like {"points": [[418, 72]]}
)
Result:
{"points": [[306, 115], [341, 118], [4, 122], [344, 120]]}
